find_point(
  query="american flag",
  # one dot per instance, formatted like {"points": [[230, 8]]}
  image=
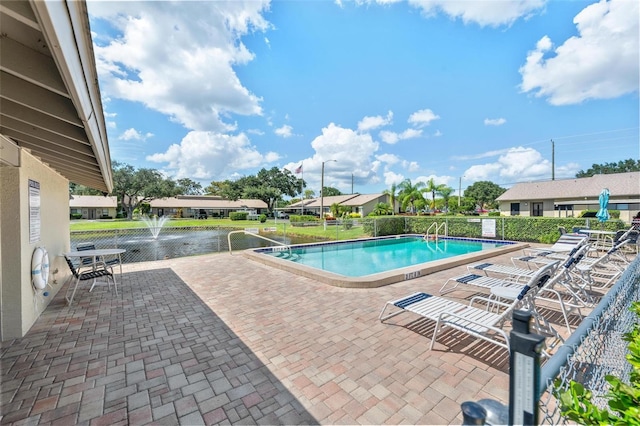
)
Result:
{"points": [[299, 169]]}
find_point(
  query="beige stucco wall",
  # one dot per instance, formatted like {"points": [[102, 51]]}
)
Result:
{"points": [[17, 300]]}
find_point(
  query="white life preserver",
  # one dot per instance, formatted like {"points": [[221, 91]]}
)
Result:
{"points": [[40, 268]]}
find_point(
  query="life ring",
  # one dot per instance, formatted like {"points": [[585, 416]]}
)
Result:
{"points": [[40, 268]]}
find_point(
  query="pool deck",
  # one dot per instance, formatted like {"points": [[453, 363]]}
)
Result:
{"points": [[220, 339]]}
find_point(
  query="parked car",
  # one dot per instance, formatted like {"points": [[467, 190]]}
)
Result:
{"points": [[202, 214], [281, 215]]}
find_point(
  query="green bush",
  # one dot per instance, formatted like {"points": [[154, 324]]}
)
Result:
{"points": [[493, 214], [238, 215], [121, 215], [298, 218], [263, 218], [623, 399], [105, 216], [75, 216]]}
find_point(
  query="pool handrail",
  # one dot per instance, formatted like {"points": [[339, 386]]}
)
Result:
{"points": [[255, 235], [437, 226]]}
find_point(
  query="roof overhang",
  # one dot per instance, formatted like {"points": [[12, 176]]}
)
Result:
{"points": [[49, 95]]}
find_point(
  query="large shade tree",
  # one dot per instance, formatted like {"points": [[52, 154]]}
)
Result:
{"points": [[268, 185], [484, 193], [187, 186], [622, 166], [136, 186], [330, 191]]}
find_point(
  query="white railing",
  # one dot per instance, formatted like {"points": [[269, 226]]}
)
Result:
{"points": [[254, 234]]}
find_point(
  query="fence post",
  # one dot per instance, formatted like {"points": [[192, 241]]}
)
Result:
{"points": [[524, 372], [473, 413]]}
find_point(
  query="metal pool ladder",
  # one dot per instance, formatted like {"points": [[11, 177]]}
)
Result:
{"points": [[283, 246], [437, 226]]}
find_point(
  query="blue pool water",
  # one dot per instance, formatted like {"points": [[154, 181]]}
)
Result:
{"points": [[360, 258]]}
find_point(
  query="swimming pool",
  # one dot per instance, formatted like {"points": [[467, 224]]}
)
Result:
{"points": [[380, 261]]}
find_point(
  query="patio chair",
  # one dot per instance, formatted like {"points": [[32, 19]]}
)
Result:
{"points": [[93, 274], [480, 322], [88, 261]]}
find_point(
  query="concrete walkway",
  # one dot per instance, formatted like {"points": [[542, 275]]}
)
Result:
{"points": [[219, 339]]}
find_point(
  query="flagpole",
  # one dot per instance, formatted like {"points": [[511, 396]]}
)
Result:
{"points": [[301, 188]]}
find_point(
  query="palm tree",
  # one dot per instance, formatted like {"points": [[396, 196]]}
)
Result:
{"points": [[392, 197], [409, 194], [445, 192], [433, 189]]}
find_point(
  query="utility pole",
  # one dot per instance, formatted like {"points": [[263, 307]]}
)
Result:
{"points": [[553, 160], [352, 183]]}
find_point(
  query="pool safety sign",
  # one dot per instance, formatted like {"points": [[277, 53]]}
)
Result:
{"points": [[34, 211], [488, 227]]}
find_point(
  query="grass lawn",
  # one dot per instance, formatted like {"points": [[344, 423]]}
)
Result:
{"points": [[333, 232]]}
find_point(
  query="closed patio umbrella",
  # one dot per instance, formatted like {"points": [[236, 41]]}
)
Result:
{"points": [[603, 213]]}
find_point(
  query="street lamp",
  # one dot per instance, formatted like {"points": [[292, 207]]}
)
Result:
{"points": [[322, 189]]}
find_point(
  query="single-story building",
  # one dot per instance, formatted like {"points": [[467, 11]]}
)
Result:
{"points": [[93, 206], [200, 206], [52, 132], [358, 203], [569, 197]]}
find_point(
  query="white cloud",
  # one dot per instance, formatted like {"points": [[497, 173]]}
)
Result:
{"points": [[285, 131], [212, 156], [393, 137], [483, 13], [494, 121], [133, 134], [422, 118], [180, 60], [390, 178], [373, 122], [354, 152], [487, 154], [388, 158], [517, 165], [411, 166], [602, 62]]}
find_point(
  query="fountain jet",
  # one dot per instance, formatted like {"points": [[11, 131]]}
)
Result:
{"points": [[155, 224]]}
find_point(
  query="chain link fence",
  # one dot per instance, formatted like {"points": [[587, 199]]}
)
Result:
{"points": [[173, 242], [594, 350]]}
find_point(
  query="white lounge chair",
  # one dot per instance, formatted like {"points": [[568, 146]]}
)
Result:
{"points": [[481, 322], [565, 244], [476, 280], [514, 273], [599, 272]]}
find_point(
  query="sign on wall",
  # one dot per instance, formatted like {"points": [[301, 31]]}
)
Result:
{"points": [[34, 211]]}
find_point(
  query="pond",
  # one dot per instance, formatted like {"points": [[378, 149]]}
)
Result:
{"points": [[175, 242]]}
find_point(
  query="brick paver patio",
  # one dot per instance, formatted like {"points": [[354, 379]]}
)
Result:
{"points": [[219, 339]]}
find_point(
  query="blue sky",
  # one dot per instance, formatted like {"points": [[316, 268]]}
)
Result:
{"points": [[471, 90]]}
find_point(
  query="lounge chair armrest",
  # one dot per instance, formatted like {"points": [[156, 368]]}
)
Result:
{"points": [[489, 301]]}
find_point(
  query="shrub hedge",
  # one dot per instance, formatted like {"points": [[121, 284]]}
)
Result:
{"points": [[238, 215], [514, 228]]}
